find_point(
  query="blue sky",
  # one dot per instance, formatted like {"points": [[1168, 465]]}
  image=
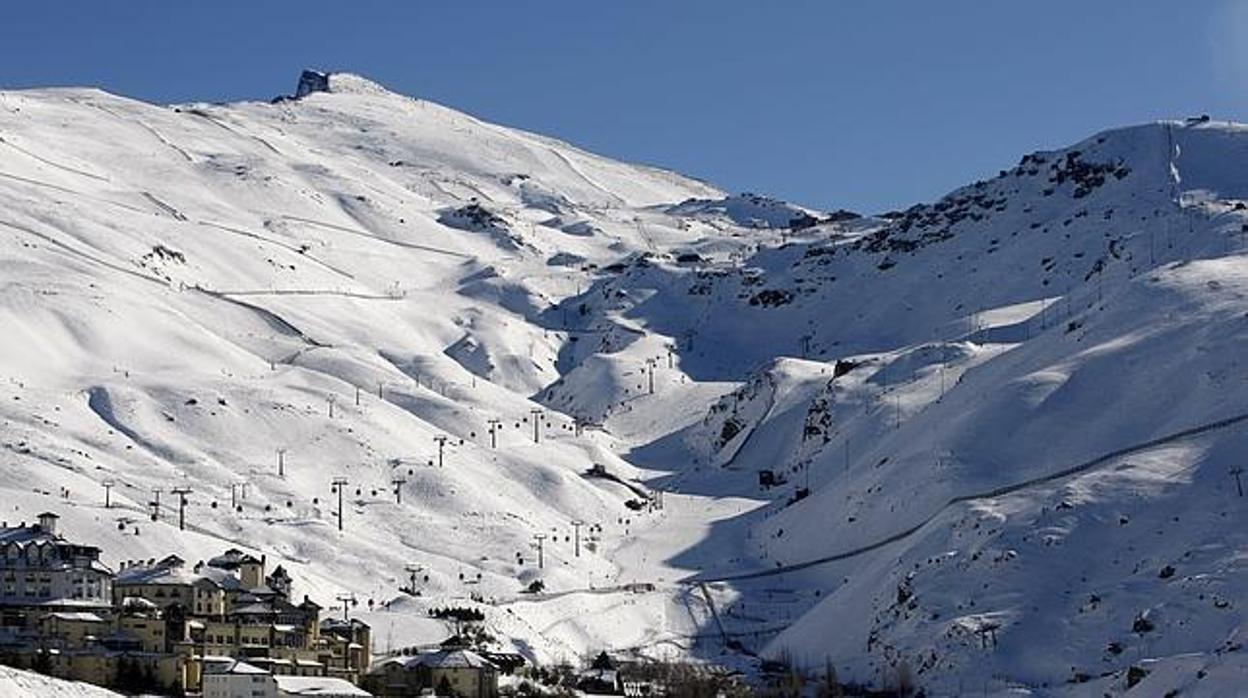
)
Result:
{"points": [[863, 105]]}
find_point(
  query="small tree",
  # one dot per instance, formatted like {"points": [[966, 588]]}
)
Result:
{"points": [[831, 687]]}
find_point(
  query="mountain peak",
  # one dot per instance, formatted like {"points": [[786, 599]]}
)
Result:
{"points": [[311, 81]]}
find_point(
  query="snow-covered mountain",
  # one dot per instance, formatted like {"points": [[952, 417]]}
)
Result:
{"points": [[999, 427]]}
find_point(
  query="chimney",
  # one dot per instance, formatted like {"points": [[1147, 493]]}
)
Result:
{"points": [[47, 522]]}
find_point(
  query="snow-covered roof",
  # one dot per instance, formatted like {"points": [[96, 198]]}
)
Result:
{"points": [[155, 575], [455, 658], [79, 616], [320, 686], [229, 665], [255, 609]]}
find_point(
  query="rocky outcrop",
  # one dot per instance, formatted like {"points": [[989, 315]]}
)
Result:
{"points": [[311, 81]]}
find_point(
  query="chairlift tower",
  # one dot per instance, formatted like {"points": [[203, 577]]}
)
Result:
{"points": [[576, 527], [339, 484], [412, 571], [541, 549], [182, 493], [537, 423], [495, 424], [441, 440]]}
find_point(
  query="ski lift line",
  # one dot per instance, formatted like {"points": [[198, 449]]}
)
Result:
{"points": [[151, 130], [85, 255], [279, 243], [1000, 491], [310, 292], [271, 318], [53, 163], [73, 192], [365, 234]]}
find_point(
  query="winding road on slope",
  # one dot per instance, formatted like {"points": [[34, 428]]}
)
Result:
{"points": [[1000, 491]]}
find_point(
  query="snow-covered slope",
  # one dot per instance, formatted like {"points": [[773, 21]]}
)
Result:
{"points": [[24, 684], [976, 416], [1018, 470], [188, 291]]}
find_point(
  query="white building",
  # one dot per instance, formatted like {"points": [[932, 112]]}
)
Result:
{"points": [[319, 686], [38, 567], [225, 677]]}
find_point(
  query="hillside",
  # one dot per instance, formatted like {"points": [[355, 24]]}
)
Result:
{"points": [[999, 426], [23, 684]]}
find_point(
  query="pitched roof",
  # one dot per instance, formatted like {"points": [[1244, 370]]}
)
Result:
{"points": [[453, 659], [229, 665], [324, 686]]}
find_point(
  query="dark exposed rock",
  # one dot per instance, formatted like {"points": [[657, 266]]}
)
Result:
{"points": [[311, 81]]}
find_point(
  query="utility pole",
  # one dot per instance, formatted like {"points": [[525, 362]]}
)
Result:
{"points": [[182, 492], [155, 503], [1239, 485], [441, 439], [347, 601], [412, 571], [805, 341], [576, 527], [331, 400], [234, 497], [357, 396], [281, 463], [398, 483], [537, 422], [541, 549], [650, 364], [495, 424], [670, 349], [108, 493], [340, 484]]}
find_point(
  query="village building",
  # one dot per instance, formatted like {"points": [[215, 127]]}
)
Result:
{"points": [[447, 672], [225, 677], [350, 647], [41, 572], [161, 624]]}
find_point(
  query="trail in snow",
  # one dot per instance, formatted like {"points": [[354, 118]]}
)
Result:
{"points": [[1000, 491], [365, 234]]}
